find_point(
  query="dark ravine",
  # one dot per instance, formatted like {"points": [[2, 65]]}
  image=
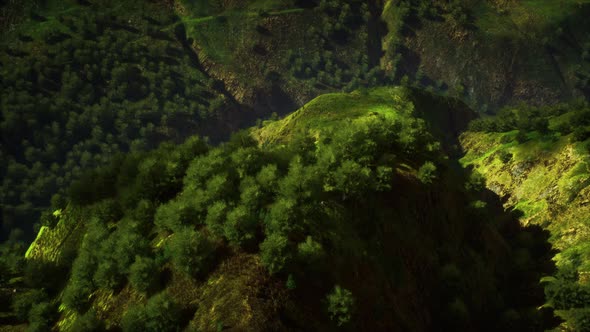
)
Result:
{"points": [[377, 29], [235, 116]]}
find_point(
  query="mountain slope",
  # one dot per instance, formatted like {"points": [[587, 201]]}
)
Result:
{"points": [[359, 222], [545, 175], [146, 72]]}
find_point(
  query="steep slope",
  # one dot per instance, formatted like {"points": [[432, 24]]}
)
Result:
{"points": [[491, 53], [346, 214], [545, 175]]}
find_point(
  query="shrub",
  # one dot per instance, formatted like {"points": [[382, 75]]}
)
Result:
{"points": [[340, 305]]}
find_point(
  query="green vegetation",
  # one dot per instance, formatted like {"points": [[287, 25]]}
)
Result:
{"points": [[311, 199], [41, 317], [88, 322], [88, 85], [321, 66], [540, 157], [350, 213], [340, 305], [190, 252], [160, 313], [143, 274]]}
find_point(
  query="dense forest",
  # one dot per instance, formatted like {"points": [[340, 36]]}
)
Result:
{"points": [[294, 165], [72, 98]]}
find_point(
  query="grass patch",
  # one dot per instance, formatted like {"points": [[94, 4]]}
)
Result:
{"points": [[531, 208], [326, 111]]}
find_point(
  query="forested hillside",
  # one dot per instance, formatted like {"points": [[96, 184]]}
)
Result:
{"points": [[320, 221], [83, 80], [82, 86], [294, 165]]}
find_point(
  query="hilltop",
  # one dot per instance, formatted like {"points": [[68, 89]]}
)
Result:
{"points": [[359, 222]]}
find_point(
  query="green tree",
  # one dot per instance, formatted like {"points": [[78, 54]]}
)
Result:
{"points": [[161, 313], [176, 214], [283, 217], [580, 319], [143, 274], [351, 179], [240, 227], [41, 317], [291, 284], [267, 177], [108, 275], [216, 216], [88, 322], [76, 294], [24, 301], [202, 168], [190, 252], [427, 173], [275, 253], [340, 305], [310, 252]]}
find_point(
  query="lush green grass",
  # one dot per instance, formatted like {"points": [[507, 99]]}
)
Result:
{"points": [[329, 110]]}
